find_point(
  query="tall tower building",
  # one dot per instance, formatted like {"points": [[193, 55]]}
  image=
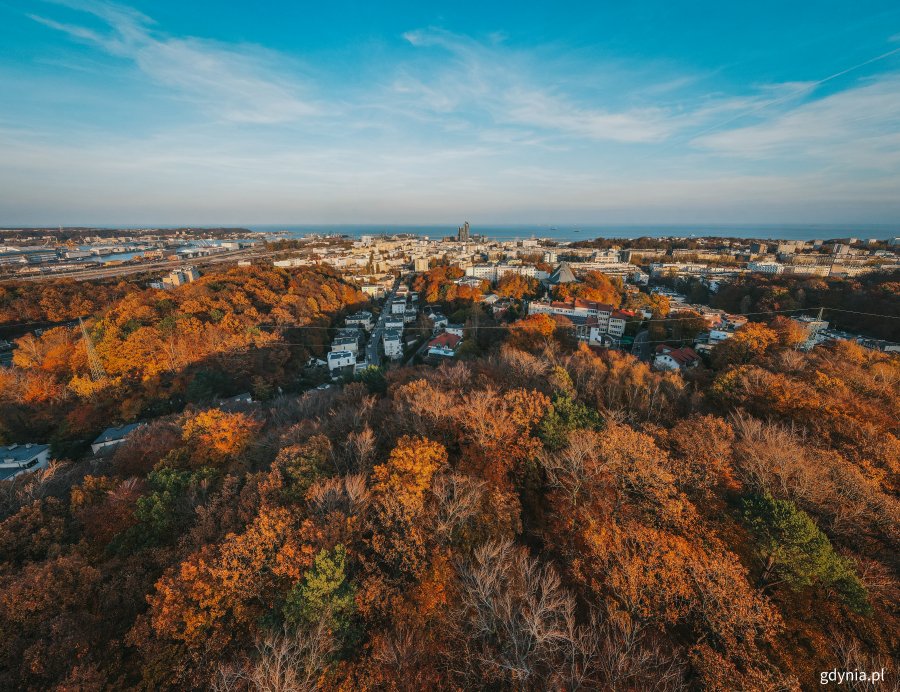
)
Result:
{"points": [[462, 233]]}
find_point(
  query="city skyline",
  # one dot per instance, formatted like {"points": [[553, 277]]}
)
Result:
{"points": [[160, 113]]}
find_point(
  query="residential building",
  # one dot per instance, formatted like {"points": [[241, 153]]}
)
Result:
{"points": [[345, 343], [113, 437], [363, 319], [393, 346], [719, 335], [176, 277], [292, 262], [457, 329], [495, 272], [444, 345], [617, 321], [16, 460], [671, 358], [765, 267], [398, 306], [340, 359]]}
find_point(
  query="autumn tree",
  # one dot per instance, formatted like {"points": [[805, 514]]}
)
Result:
{"points": [[514, 285], [399, 490], [593, 286], [216, 436], [532, 332], [749, 342]]}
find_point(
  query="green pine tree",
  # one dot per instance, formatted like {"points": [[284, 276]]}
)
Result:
{"points": [[794, 551]]}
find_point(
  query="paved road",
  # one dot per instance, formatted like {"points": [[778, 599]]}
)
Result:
{"points": [[641, 346], [373, 348]]}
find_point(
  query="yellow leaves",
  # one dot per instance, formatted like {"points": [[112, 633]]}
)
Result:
{"points": [[85, 388], [217, 435], [594, 286], [408, 471], [221, 591]]}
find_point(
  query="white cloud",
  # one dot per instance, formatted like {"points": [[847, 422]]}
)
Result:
{"points": [[240, 84], [527, 90], [462, 125], [858, 127]]}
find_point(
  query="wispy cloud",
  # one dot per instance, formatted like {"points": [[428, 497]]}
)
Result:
{"points": [[437, 123], [521, 90], [241, 84], [858, 127], [489, 77]]}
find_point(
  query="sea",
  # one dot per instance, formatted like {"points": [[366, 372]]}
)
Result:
{"points": [[589, 232]]}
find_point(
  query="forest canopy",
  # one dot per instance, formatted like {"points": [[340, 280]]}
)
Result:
{"points": [[540, 516]]}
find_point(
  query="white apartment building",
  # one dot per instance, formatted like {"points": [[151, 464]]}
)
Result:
{"points": [[340, 359], [362, 319], [765, 267], [345, 343], [393, 346], [494, 272]]}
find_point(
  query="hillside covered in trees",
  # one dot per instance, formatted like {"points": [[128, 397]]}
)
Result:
{"points": [[233, 330], [538, 517], [865, 304]]}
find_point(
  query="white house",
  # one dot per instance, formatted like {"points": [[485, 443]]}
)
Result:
{"points": [[718, 335], [345, 343], [112, 437], [671, 358], [617, 321], [398, 306], [439, 320], [340, 359], [393, 346], [444, 345], [18, 459], [456, 329]]}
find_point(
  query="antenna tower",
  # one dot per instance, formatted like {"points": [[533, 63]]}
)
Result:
{"points": [[97, 371]]}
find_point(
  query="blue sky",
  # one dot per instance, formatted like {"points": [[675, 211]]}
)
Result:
{"points": [[210, 112]]}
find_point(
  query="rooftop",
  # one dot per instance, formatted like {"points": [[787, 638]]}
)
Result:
{"points": [[20, 453], [445, 340], [682, 356], [563, 274], [116, 433]]}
